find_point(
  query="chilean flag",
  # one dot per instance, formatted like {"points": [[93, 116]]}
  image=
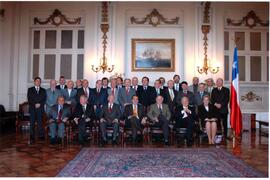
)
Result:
{"points": [[235, 115]]}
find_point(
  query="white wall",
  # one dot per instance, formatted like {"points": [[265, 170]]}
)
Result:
{"points": [[15, 41]]}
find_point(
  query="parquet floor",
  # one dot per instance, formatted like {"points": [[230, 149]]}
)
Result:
{"points": [[18, 159]]}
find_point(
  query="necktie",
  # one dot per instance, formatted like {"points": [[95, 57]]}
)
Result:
{"points": [[59, 118], [110, 108], [185, 93], [113, 91], [84, 108], [160, 109], [201, 94], [85, 92], [127, 91], [53, 91], [171, 94], [157, 91], [37, 90], [134, 110], [145, 88]]}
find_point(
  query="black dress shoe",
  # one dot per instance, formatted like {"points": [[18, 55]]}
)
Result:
{"points": [[32, 141], [189, 143], [166, 143], [41, 138], [52, 141]]}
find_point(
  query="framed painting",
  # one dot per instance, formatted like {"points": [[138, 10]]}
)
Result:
{"points": [[153, 55]]}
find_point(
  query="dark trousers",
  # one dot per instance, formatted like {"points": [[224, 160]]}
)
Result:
{"points": [[82, 129], [36, 114], [134, 124], [224, 118], [103, 127], [186, 123], [163, 123]]}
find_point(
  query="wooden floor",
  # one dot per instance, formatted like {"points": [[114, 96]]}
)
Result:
{"points": [[17, 158]]}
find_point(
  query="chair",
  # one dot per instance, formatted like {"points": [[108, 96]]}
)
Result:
{"points": [[7, 119], [202, 133], [23, 118]]}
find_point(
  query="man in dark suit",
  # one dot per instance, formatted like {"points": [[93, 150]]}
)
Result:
{"points": [[99, 98], [170, 95], [160, 115], [110, 116], [185, 117], [70, 94], [105, 83], [198, 97], [84, 115], [158, 90], [125, 94], [220, 98], [133, 115], [185, 92], [177, 85], [57, 118], [146, 94], [85, 90], [62, 83], [36, 96], [162, 81]]}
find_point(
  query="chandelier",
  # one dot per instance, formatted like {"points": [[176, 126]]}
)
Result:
{"points": [[205, 30], [104, 26]]}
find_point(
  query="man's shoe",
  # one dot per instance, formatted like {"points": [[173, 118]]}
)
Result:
{"points": [[42, 138], [32, 140], [166, 143], [114, 142]]}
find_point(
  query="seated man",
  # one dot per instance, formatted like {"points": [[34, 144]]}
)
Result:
{"points": [[160, 115], [110, 116], [84, 113], [133, 115], [185, 117], [58, 115]]}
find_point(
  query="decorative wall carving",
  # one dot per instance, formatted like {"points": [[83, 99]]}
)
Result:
{"points": [[57, 18], [251, 97], [250, 20], [154, 19]]}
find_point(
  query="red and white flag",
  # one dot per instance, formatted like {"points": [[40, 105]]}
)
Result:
{"points": [[235, 115]]}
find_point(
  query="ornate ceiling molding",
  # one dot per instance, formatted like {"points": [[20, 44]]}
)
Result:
{"points": [[57, 18], [154, 19], [250, 20], [206, 13], [251, 97]]}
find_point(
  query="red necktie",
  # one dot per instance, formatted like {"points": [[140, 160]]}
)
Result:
{"points": [[85, 92], [59, 118], [110, 108], [113, 91], [127, 91]]}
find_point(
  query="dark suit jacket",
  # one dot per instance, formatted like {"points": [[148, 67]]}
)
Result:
{"points": [[179, 115], [168, 100], [221, 97], [146, 97], [110, 116], [136, 89], [180, 88], [190, 96], [100, 98], [58, 87], [53, 114], [89, 113], [129, 111], [203, 113], [80, 92], [161, 92], [36, 98]]}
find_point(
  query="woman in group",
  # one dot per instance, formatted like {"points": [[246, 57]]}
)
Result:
{"points": [[207, 113]]}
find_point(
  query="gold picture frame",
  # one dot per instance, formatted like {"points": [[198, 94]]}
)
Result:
{"points": [[157, 55]]}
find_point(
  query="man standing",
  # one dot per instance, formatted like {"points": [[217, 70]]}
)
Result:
{"points": [[210, 85], [198, 98], [158, 89], [52, 94], [110, 116], [177, 85], [220, 98], [185, 92], [133, 115], [119, 82], [62, 83], [170, 95], [125, 94], [58, 116], [85, 90], [160, 115], [134, 83], [105, 83], [36, 96], [194, 87], [99, 98], [185, 117], [70, 94], [83, 116], [146, 94], [162, 81], [114, 91]]}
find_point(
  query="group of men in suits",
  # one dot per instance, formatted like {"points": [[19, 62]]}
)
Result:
{"points": [[123, 99]]}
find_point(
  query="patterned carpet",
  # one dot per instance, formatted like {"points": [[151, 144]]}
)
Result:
{"points": [[140, 162]]}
